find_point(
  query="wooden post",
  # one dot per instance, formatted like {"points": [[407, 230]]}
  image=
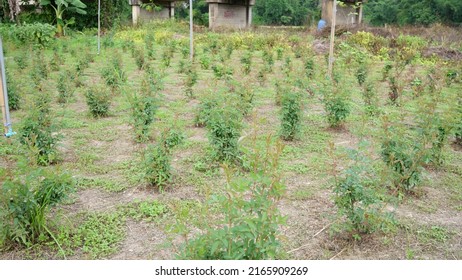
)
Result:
{"points": [[332, 38], [360, 20], [2, 104]]}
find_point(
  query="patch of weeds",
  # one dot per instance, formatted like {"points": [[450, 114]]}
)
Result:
{"points": [[106, 184], [101, 234], [26, 199], [433, 234], [148, 210], [298, 168], [301, 194]]}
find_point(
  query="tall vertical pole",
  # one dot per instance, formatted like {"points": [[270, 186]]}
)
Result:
{"points": [[99, 26], [360, 17], [191, 31], [4, 96], [332, 38]]}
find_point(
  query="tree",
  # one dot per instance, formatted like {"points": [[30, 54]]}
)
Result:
{"points": [[60, 6]]}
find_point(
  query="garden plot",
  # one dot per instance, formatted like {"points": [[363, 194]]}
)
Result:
{"points": [[249, 152]]}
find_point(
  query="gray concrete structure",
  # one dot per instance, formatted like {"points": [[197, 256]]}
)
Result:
{"points": [[167, 10], [230, 13], [348, 13]]}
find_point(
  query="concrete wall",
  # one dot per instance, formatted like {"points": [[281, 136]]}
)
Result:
{"points": [[141, 15], [346, 14], [230, 13]]}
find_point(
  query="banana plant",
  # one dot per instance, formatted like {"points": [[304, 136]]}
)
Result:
{"points": [[60, 6]]}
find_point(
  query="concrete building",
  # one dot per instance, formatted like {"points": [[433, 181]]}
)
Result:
{"points": [[164, 9], [349, 12], [230, 13]]}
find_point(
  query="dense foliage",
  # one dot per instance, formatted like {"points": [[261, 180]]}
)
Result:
{"points": [[420, 12]]}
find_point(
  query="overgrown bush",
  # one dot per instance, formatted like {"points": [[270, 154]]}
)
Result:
{"points": [[246, 61], [98, 100], [249, 219], [39, 34], [39, 69], [25, 204], [139, 58], [356, 197], [370, 99], [14, 99], [143, 109], [191, 79], [337, 109], [157, 159], [224, 130], [291, 113], [38, 131], [404, 156], [157, 166], [22, 60], [113, 73], [64, 87]]}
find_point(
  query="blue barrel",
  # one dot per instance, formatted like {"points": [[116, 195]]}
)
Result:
{"points": [[321, 24]]}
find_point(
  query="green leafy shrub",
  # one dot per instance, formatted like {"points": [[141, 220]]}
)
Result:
{"points": [[370, 99], [139, 58], [113, 74], [224, 130], [244, 93], [157, 166], [143, 109], [39, 69], [309, 68], [14, 99], [249, 223], [361, 74], [39, 34], [98, 100], [356, 198], [155, 78], [157, 159], [268, 58], [404, 158], [191, 79], [64, 87], [22, 60], [149, 44], [26, 202], [205, 61], [246, 61], [222, 71], [291, 114], [38, 131], [208, 103], [337, 109]]}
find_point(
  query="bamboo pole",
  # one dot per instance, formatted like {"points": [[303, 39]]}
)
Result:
{"points": [[332, 38], [2, 104]]}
